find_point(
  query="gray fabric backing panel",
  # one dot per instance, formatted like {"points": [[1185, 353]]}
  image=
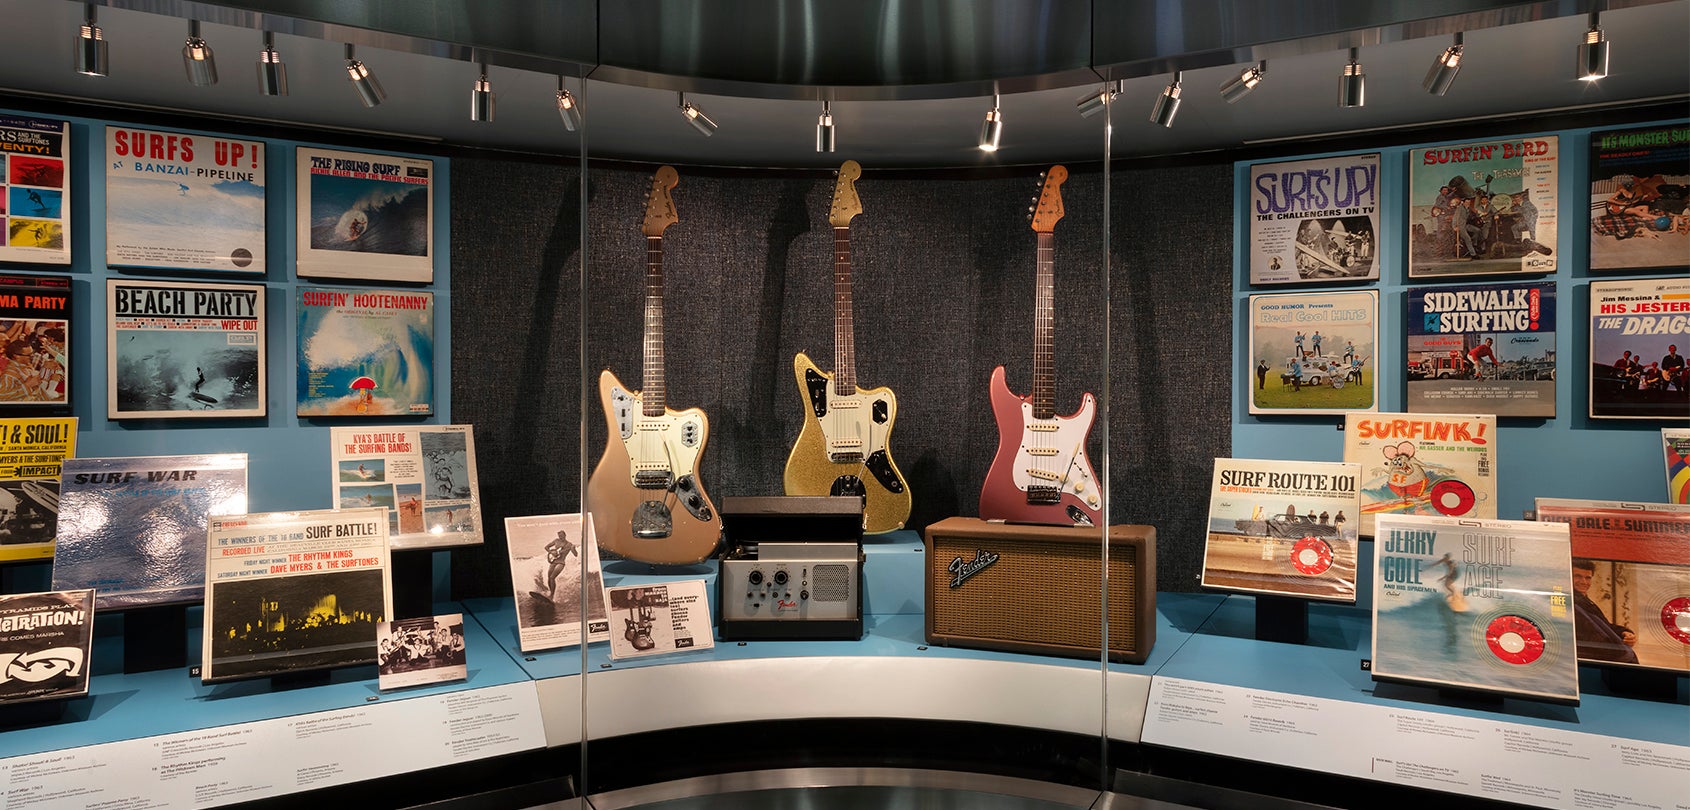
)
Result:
{"points": [[943, 272]]}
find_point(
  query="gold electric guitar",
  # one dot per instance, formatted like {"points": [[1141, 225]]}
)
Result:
{"points": [[841, 449], [645, 498]]}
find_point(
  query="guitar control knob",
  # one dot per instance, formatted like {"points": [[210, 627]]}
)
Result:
{"points": [[694, 501], [1079, 485], [755, 577], [1092, 501]]}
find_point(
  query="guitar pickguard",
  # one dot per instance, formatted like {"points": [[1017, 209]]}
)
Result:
{"points": [[842, 448]]}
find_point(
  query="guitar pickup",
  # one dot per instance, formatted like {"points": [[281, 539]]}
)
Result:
{"points": [[1043, 475], [653, 479], [846, 457], [1042, 451], [1043, 427], [1040, 495]]}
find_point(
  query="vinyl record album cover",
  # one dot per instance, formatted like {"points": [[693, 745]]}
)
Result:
{"points": [[1313, 353], [31, 453], [658, 619], [35, 200], [1675, 444], [1314, 220], [1487, 349], [1283, 527], [1423, 464], [35, 329], [1631, 580], [293, 592], [363, 215], [1639, 334], [134, 528], [45, 644], [424, 476], [365, 352], [1639, 187], [179, 200], [1484, 208], [414, 652], [178, 350], [554, 563], [1475, 604]]}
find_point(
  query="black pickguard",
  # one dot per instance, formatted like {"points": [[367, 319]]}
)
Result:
{"points": [[816, 384], [881, 465]]}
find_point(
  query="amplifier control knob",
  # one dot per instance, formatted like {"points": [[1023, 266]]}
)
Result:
{"points": [[780, 577], [755, 577], [803, 594]]}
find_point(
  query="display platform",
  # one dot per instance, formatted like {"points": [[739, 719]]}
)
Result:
{"points": [[1312, 706]]}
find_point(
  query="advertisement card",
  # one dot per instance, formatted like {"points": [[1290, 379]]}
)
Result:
{"points": [[555, 576], [659, 619]]}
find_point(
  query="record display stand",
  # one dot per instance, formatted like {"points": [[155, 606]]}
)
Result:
{"points": [[413, 584], [34, 713], [1284, 619], [1644, 684], [303, 679], [154, 638], [26, 576]]}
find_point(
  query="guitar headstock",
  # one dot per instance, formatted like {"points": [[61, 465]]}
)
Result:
{"points": [[659, 207], [845, 202], [1049, 207]]}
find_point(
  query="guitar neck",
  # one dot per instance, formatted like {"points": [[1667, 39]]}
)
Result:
{"points": [[1044, 329], [844, 338], [653, 397]]}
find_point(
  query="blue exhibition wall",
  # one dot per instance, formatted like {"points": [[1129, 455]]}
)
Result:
{"points": [[288, 456], [1567, 456]]}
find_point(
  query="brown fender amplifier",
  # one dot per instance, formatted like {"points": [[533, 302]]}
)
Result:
{"points": [[1035, 589]]}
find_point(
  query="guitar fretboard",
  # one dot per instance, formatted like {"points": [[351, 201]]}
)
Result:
{"points": [[1044, 329], [653, 397], [844, 338]]}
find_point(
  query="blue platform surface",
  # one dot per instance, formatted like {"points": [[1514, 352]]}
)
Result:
{"points": [[1225, 651], [125, 707]]}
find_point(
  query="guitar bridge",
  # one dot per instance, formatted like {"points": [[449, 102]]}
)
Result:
{"points": [[1041, 495], [653, 479]]}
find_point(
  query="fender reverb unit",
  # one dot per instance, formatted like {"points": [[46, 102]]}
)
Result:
{"points": [[1036, 589], [793, 569]]}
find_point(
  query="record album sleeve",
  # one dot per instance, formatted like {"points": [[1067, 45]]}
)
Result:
{"points": [[365, 352], [1639, 334], [1675, 445], [1484, 208], [1313, 353], [294, 591], [178, 350], [555, 577], [35, 190], [1631, 580], [1482, 605], [134, 528], [1485, 349], [46, 643], [364, 215], [184, 201], [1314, 220], [424, 476], [1283, 527], [32, 454], [1423, 464], [35, 330], [1639, 188]]}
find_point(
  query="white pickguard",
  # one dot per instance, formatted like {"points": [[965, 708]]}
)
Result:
{"points": [[668, 443], [1052, 453], [849, 426]]}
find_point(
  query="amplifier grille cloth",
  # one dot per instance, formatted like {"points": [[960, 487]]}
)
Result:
{"points": [[1037, 591], [832, 582]]}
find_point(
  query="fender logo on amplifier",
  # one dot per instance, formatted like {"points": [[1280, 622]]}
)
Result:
{"points": [[961, 571]]}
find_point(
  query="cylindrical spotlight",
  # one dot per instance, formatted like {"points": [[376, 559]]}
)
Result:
{"points": [[567, 108], [1240, 86], [481, 98], [1442, 72], [90, 48], [1094, 102], [824, 128], [272, 74], [197, 58], [697, 118], [1167, 104], [991, 130], [369, 90], [1352, 86], [1593, 52]]}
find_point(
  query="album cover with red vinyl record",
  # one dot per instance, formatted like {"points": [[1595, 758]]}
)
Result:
{"points": [[1441, 465], [1631, 580], [1477, 605], [1283, 527]]}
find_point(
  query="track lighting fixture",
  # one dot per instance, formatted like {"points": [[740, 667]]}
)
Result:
{"points": [[1167, 103], [369, 90], [697, 118], [90, 46], [1094, 102], [481, 98], [1240, 86], [567, 108], [991, 130], [272, 74], [1442, 73], [1593, 51], [197, 58], [824, 128], [1352, 85]]}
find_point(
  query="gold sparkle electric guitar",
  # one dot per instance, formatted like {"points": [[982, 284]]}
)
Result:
{"points": [[841, 449], [645, 497]]}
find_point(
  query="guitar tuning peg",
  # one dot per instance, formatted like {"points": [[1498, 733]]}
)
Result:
{"points": [[1041, 175], [1032, 208]]}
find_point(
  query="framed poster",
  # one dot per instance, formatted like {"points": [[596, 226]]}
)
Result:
{"points": [[35, 199], [177, 350], [424, 476], [363, 215], [1314, 220], [1283, 527], [1631, 580], [1313, 352], [181, 201], [555, 570], [365, 352], [1488, 207], [1423, 464], [32, 453], [1484, 605], [1639, 331], [35, 329], [1484, 349], [1639, 187]]}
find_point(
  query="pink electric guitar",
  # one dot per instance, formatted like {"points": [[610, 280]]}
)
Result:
{"points": [[1040, 473]]}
